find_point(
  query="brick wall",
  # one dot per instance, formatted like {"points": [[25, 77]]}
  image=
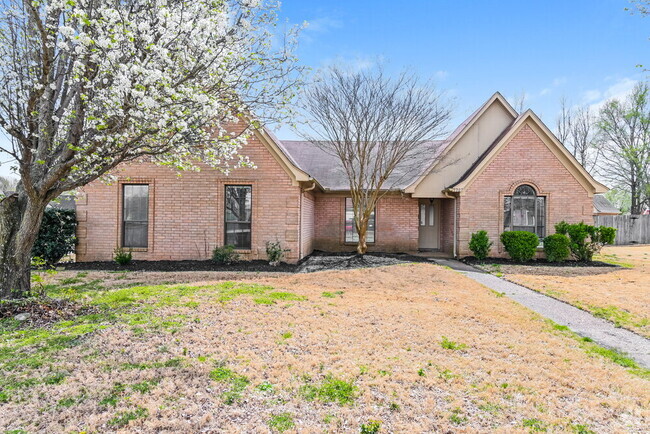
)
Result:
{"points": [[186, 212], [396, 224], [524, 160], [447, 225]]}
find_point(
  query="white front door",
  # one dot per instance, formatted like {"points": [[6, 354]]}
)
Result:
{"points": [[429, 234]]}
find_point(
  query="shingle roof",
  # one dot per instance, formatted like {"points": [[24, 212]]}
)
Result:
{"points": [[604, 206], [327, 169]]}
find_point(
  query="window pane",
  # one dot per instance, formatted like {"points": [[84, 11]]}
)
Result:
{"points": [[237, 216], [238, 203], [431, 215], [524, 190], [135, 234], [239, 235], [523, 214], [136, 202], [351, 235], [423, 214], [135, 215], [507, 204], [541, 217]]}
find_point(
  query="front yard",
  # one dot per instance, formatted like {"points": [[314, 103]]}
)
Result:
{"points": [[620, 295], [404, 348]]}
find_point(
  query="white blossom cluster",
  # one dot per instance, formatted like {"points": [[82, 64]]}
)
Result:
{"points": [[87, 84]]}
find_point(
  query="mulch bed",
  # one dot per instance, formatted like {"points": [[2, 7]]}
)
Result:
{"points": [[317, 261], [470, 260], [250, 266], [43, 311]]}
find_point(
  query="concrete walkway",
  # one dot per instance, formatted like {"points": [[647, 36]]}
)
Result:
{"points": [[583, 323]]}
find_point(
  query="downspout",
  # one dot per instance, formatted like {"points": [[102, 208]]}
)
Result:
{"points": [[455, 236]]}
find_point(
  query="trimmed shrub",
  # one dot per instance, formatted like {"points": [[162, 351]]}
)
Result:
{"points": [[586, 240], [122, 257], [56, 236], [225, 254], [556, 247], [480, 245], [520, 245]]}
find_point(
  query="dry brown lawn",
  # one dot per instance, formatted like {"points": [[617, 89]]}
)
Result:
{"points": [[621, 295], [195, 363]]}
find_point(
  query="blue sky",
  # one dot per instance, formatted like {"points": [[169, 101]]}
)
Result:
{"points": [[586, 50]]}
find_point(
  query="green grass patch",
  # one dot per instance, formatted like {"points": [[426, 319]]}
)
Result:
{"points": [[451, 345], [281, 422], [236, 383], [370, 427], [123, 418], [590, 347], [620, 317], [331, 389], [535, 425]]}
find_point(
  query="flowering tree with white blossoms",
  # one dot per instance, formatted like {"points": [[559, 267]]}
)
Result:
{"points": [[88, 84]]}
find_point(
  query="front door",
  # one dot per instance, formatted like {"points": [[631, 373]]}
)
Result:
{"points": [[429, 235]]}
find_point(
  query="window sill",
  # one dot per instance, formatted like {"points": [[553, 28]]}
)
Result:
{"points": [[243, 251], [136, 249]]}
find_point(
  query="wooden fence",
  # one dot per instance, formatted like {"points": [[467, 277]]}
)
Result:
{"points": [[630, 229]]}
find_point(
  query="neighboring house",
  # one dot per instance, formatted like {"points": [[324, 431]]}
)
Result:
{"points": [[497, 171], [602, 206]]}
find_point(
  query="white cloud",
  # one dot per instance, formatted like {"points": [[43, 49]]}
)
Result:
{"points": [[619, 90], [591, 95], [559, 81], [354, 64], [322, 24], [441, 75]]}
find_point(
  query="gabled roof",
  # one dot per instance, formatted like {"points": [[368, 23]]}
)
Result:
{"points": [[569, 161], [460, 131], [603, 206]]}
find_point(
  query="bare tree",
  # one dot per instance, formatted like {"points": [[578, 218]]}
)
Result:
{"points": [[88, 84], [624, 128], [376, 126], [576, 129], [519, 101]]}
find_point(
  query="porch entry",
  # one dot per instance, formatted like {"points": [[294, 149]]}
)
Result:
{"points": [[429, 224]]}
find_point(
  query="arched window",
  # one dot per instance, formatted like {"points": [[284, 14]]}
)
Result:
{"points": [[525, 211]]}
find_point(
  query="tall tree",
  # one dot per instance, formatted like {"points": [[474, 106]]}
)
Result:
{"points": [[88, 84], [624, 128], [576, 129], [376, 126]]}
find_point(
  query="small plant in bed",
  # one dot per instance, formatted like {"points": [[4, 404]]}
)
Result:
{"points": [[520, 245], [275, 252], [480, 245], [225, 255], [122, 257]]}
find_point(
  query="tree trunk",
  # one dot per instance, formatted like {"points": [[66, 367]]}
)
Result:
{"points": [[20, 219], [362, 229]]}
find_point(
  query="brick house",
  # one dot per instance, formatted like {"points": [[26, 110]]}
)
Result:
{"points": [[497, 171]]}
